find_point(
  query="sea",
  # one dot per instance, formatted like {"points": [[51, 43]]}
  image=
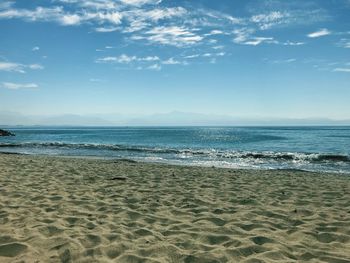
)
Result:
{"points": [[320, 149]]}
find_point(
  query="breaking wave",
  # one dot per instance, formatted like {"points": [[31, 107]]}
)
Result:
{"points": [[268, 156]]}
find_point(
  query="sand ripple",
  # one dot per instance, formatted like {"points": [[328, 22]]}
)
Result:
{"points": [[69, 210]]}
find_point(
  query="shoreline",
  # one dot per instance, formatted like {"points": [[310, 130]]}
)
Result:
{"points": [[55, 209], [87, 157]]}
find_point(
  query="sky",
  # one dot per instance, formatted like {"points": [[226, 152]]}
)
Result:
{"points": [[247, 59]]}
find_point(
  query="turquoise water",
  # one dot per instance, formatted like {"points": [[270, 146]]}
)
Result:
{"points": [[307, 148]]}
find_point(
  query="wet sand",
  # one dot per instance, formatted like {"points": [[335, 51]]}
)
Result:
{"points": [[56, 209]]}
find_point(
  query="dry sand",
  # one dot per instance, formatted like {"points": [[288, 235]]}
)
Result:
{"points": [[69, 210]]}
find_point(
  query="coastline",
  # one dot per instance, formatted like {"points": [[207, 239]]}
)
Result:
{"points": [[64, 209]]}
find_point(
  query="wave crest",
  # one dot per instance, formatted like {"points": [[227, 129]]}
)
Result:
{"points": [[274, 156]]}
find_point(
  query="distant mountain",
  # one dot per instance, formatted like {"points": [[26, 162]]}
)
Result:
{"points": [[74, 120], [11, 119], [174, 118]]}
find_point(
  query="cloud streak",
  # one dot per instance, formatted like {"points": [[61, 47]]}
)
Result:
{"points": [[17, 67], [347, 70], [320, 33], [16, 86]]}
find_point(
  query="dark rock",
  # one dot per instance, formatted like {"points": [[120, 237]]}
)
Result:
{"points": [[6, 133], [126, 161], [118, 179]]}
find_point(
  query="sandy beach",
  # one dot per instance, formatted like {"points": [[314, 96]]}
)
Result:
{"points": [[56, 209]]}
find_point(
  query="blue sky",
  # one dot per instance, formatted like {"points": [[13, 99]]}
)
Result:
{"points": [[279, 59]]}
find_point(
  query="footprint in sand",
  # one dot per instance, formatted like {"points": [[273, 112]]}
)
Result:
{"points": [[12, 250]]}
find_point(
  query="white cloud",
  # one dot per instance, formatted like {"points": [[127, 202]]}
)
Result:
{"points": [[121, 59], [218, 47], [259, 40], [140, 19], [156, 14], [156, 67], [171, 61], [244, 36], [36, 66], [266, 21], [106, 29], [69, 20], [149, 58], [172, 35], [141, 2], [14, 86], [192, 56], [17, 67], [344, 42], [347, 70], [104, 4], [285, 61], [290, 43], [38, 14], [59, 15], [322, 32], [125, 59], [215, 32], [11, 67], [35, 48], [219, 54]]}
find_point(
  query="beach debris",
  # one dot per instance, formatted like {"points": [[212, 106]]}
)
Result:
{"points": [[118, 178], [6, 133]]}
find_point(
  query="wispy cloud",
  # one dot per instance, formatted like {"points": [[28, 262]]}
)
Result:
{"points": [[284, 61], [37, 14], [125, 59], [344, 42], [11, 67], [254, 41], [106, 29], [155, 67], [320, 33], [245, 36], [35, 66], [15, 86], [141, 2], [171, 61], [347, 70], [58, 14], [6, 4], [36, 48], [291, 43], [173, 35], [266, 21], [17, 67]]}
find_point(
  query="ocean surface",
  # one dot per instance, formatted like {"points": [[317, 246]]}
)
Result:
{"points": [[325, 149]]}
